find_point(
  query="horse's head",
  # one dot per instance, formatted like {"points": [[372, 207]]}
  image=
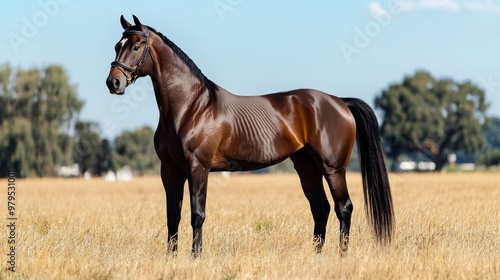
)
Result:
{"points": [[131, 54]]}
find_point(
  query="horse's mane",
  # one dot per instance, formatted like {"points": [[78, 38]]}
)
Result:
{"points": [[211, 86]]}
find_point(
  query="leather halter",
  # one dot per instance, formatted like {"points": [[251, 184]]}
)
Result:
{"points": [[132, 70]]}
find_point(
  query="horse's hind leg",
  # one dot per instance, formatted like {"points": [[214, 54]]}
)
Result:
{"points": [[311, 180], [343, 206]]}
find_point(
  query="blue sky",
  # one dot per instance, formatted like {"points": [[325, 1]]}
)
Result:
{"points": [[345, 48]]}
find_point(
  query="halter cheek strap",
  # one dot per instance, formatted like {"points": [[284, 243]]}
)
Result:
{"points": [[132, 70]]}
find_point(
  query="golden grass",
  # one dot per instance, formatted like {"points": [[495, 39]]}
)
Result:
{"points": [[257, 227]]}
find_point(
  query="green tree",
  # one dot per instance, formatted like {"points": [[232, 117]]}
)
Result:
{"points": [[104, 158], [491, 158], [136, 149], [492, 132], [38, 107], [491, 153], [432, 117], [88, 141]]}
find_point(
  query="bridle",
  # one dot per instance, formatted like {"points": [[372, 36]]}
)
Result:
{"points": [[132, 71]]}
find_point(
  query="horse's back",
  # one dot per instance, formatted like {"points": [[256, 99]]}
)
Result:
{"points": [[309, 111]]}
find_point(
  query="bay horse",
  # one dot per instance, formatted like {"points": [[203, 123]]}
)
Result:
{"points": [[203, 128]]}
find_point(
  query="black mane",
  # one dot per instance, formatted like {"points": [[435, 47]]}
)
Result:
{"points": [[211, 86]]}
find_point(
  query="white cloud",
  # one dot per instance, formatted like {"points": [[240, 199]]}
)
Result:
{"points": [[483, 6], [444, 5], [376, 9]]}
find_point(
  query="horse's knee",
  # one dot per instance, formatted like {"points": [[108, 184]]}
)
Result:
{"points": [[197, 219], [344, 210]]}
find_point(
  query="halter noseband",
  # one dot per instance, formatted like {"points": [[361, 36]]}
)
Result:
{"points": [[132, 71]]}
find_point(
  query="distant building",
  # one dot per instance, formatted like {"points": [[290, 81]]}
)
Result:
{"points": [[417, 166], [110, 176], [124, 174], [68, 171]]}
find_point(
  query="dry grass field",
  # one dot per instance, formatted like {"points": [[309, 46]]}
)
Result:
{"points": [[257, 227]]}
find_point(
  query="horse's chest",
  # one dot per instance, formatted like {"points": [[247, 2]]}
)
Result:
{"points": [[168, 148]]}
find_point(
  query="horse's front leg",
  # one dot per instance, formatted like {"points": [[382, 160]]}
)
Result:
{"points": [[197, 179], [173, 181]]}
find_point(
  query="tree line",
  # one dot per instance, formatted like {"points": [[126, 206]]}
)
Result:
{"points": [[40, 129], [131, 148], [428, 118], [422, 118]]}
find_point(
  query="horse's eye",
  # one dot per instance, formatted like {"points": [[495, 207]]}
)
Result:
{"points": [[136, 47]]}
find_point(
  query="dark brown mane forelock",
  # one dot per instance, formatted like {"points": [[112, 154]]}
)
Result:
{"points": [[211, 86]]}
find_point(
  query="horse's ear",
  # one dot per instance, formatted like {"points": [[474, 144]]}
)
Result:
{"points": [[125, 23], [136, 21]]}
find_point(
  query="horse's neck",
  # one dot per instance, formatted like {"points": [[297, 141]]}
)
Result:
{"points": [[176, 88]]}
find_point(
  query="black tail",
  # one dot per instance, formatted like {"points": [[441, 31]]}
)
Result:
{"points": [[378, 200]]}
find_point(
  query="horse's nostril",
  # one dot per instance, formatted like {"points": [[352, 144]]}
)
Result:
{"points": [[116, 83]]}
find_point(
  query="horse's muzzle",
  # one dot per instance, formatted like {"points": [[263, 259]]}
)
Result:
{"points": [[116, 83]]}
